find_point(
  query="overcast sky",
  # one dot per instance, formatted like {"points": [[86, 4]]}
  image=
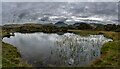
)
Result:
{"points": [[52, 12], [60, 0]]}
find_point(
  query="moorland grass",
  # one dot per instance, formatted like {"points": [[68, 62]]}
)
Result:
{"points": [[11, 57]]}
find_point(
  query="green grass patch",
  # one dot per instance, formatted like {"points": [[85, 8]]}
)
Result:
{"points": [[83, 32], [109, 57], [11, 57]]}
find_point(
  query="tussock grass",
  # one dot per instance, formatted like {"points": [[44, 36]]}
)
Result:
{"points": [[11, 57], [109, 51]]}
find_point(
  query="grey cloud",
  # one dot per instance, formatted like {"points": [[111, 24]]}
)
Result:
{"points": [[21, 12]]}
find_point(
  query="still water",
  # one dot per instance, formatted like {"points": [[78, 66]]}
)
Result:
{"points": [[71, 50]]}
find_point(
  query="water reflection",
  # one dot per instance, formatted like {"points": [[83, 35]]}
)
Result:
{"points": [[40, 49]]}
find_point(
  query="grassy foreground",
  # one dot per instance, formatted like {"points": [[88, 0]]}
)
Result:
{"points": [[10, 55], [109, 51]]}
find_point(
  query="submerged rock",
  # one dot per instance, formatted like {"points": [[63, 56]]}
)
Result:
{"points": [[71, 61]]}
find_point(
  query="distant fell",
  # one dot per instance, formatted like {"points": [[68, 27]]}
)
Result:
{"points": [[60, 24]]}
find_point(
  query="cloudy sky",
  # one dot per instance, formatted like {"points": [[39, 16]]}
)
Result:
{"points": [[52, 12], [60, 0]]}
